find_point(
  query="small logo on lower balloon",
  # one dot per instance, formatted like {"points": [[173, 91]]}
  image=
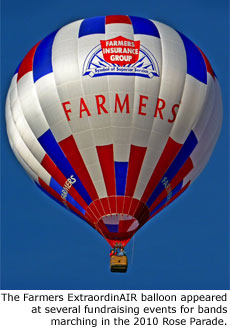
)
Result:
{"points": [[120, 56]]}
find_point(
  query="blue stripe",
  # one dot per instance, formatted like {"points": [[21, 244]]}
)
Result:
{"points": [[144, 26], [59, 189], [113, 228], [94, 25], [53, 150], [121, 169], [178, 162], [42, 64], [195, 62], [59, 203], [164, 201]]}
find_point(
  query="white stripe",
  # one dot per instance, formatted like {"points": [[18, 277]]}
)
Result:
{"points": [[208, 135], [64, 60], [9, 130], [190, 109], [22, 125], [51, 107], [30, 105], [113, 30], [96, 123], [20, 147]]}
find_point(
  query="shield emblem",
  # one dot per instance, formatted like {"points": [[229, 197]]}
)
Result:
{"points": [[120, 51]]}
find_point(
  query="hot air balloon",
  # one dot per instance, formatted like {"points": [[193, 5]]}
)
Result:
{"points": [[114, 117]]}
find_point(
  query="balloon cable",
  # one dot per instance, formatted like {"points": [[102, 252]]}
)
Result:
{"points": [[132, 251]]}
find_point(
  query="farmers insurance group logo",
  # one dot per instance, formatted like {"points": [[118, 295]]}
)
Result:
{"points": [[120, 56]]}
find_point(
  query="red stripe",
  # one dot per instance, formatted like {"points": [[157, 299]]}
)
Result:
{"points": [[127, 204], [141, 213], [95, 212], [120, 204], [89, 217], [169, 153], [105, 204], [92, 215], [27, 63], [144, 219], [133, 207], [136, 159], [182, 173], [74, 157], [99, 207], [113, 204], [124, 225], [105, 155], [139, 210], [53, 170], [117, 19], [208, 65], [102, 228]]}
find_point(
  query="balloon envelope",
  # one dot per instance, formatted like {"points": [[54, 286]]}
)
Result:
{"points": [[114, 117]]}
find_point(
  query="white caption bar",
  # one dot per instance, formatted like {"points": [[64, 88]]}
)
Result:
{"points": [[97, 312]]}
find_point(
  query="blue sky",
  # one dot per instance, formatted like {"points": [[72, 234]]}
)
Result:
{"points": [[184, 247]]}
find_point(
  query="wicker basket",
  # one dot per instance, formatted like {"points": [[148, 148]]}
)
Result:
{"points": [[118, 263]]}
